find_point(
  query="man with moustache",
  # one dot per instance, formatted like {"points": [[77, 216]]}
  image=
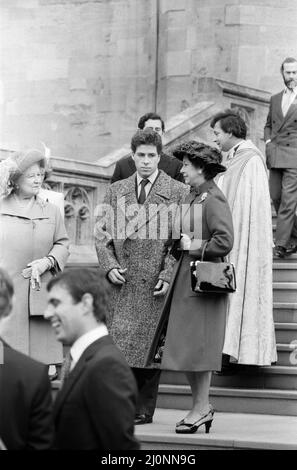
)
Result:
{"points": [[280, 134]]}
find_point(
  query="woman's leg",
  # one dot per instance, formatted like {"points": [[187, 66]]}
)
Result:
{"points": [[200, 384]]}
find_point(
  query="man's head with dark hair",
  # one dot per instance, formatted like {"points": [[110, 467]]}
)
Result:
{"points": [[289, 72], [6, 294], [288, 60], [146, 137], [229, 128], [146, 147], [152, 121], [77, 302]]}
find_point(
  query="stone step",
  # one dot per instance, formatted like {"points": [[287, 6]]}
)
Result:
{"points": [[285, 312], [229, 431], [274, 377], [290, 259], [286, 333], [287, 354], [235, 400], [285, 272], [285, 292]]}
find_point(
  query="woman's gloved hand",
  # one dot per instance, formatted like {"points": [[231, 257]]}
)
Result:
{"points": [[35, 269], [185, 242]]}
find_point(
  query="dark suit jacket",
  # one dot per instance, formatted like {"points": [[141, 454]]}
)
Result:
{"points": [[95, 408], [26, 420], [282, 151], [126, 167]]}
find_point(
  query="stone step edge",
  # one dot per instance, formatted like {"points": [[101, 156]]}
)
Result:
{"points": [[206, 441], [285, 326], [285, 285], [287, 259], [285, 265], [152, 435], [285, 305], [286, 346], [258, 371], [233, 392]]}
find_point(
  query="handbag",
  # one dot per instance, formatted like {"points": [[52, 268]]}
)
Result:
{"points": [[209, 277]]}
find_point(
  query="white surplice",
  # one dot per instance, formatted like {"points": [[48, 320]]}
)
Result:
{"points": [[250, 335]]}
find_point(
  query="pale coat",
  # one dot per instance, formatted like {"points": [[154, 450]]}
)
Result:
{"points": [[25, 237], [281, 152], [250, 336], [134, 310]]}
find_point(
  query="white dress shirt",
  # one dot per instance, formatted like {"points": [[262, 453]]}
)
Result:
{"points": [[82, 343], [288, 98], [149, 185], [233, 150]]}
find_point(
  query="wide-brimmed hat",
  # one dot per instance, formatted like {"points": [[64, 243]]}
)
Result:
{"points": [[199, 152], [15, 165]]}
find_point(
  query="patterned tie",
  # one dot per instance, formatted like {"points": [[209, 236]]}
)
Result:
{"points": [[66, 368], [142, 195]]}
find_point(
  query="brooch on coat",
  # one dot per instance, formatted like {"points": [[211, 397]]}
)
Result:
{"points": [[202, 197]]}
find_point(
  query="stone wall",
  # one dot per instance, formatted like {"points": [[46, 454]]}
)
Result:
{"points": [[77, 74], [242, 41]]}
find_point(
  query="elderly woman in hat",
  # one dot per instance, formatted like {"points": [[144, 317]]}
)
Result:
{"points": [[33, 246], [196, 322]]}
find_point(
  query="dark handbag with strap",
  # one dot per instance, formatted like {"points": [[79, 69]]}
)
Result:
{"points": [[209, 277]]}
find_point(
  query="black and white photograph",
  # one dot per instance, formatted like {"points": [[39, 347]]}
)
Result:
{"points": [[148, 228]]}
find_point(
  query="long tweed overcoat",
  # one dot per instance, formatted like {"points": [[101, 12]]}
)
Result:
{"points": [[25, 237], [141, 246]]}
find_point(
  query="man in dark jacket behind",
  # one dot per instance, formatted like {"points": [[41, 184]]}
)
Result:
{"points": [[125, 167], [280, 135]]}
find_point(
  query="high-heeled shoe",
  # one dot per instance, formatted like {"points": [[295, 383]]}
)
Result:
{"points": [[190, 428]]}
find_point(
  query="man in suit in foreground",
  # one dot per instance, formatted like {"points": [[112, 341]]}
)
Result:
{"points": [[25, 393], [170, 165], [96, 405], [280, 136]]}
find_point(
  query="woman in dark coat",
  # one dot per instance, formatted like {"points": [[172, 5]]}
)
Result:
{"points": [[196, 325]]}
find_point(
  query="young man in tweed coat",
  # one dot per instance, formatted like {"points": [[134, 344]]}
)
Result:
{"points": [[133, 251]]}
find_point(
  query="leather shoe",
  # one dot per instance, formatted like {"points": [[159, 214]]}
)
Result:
{"points": [[279, 251], [143, 419], [291, 249]]}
